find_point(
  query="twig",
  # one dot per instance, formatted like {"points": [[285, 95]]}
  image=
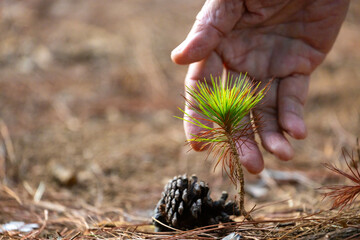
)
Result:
{"points": [[76, 235], [4, 132]]}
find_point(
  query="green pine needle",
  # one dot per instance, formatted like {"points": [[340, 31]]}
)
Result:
{"points": [[225, 104]]}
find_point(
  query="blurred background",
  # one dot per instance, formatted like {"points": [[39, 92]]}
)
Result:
{"points": [[88, 93]]}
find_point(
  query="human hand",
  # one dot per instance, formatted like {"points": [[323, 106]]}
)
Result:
{"points": [[280, 39]]}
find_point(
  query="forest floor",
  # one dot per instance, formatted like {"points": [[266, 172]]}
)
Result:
{"points": [[88, 139]]}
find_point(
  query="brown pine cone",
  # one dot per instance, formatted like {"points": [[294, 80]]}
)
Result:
{"points": [[186, 204]]}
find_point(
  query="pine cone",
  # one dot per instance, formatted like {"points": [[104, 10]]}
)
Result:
{"points": [[186, 204]]}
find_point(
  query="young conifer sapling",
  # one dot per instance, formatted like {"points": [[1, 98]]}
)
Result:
{"points": [[226, 105]]}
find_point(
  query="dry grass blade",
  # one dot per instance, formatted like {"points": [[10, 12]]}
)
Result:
{"points": [[344, 195], [11, 193]]}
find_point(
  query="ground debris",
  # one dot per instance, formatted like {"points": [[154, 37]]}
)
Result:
{"points": [[344, 233], [81, 221]]}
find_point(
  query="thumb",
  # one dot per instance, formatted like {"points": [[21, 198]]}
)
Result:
{"points": [[215, 19]]}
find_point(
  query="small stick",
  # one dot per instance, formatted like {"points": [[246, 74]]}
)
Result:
{"points": [[2, 163], [358, 149], [4, 132]]}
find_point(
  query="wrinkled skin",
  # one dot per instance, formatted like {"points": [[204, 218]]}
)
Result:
{"points": [[280, 39]]}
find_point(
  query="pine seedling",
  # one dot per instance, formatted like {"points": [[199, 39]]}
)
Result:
{"points": [[226, 105]]}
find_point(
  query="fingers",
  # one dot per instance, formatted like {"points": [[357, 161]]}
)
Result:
{"points": [[250, 155], [270, 132], [199, 71], [215, 20], [281, 111], [292, 95]]}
